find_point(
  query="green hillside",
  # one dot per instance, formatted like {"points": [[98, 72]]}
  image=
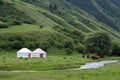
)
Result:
{"points": [[65, 19], [71, 32], [78, 17], [106, 11]]}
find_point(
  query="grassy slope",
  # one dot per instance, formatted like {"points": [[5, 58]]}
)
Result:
{"points": [[38, 14], [110, 72], [102, 12], [76, 17], [24, 28], [80, 19], [43, 17]]}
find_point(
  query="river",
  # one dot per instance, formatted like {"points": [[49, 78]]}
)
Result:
{"points": [[89, 65]]}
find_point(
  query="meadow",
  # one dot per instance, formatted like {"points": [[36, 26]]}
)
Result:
{"points": [[53, 67], [24, 28], [109, 72], [9, 61]]}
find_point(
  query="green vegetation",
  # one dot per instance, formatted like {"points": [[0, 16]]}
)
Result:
{"points": [[52, 62], [60, 28], [116, 49], [3, 25], [24, 28], [42, 39], [12, 16], [50, 24], [108, 14], [99, 43], [109, 72]]}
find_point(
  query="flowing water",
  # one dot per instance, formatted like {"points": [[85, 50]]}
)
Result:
{"points": [[97, 64], [86, 66]]}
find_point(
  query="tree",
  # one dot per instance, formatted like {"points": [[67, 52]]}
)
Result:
{"points": [[16, 45], [99, 43], [116, 49], [3, 25], [1, 2], [52, 7], [69, 44], [68, 51]]}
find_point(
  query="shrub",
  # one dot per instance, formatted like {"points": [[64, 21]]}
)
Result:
{"points": [[3, 25], [2, 44], [17, 22], [59, 45], [68, 51], [41, 26], [45, 45], [99, 43], [1, 2], [52, 7], [16, 45], [116, 49], [80, 49]]}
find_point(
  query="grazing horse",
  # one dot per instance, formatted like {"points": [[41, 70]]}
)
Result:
{"points": [[95, 57]]}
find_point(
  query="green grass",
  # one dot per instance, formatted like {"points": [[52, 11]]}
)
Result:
{"points": [[109, 72], [52, 62], [24, 28]]}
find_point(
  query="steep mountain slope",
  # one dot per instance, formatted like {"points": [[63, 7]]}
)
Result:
{"points": [[69, 19], [49, 30], [106, 11], [79, 17]]}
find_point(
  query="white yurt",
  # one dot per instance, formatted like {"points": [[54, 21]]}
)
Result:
{"points": [[38, 53], [24, 53]]}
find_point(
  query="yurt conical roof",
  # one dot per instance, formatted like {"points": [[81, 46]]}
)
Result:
{"points": [[39, 50], [24, 50]]}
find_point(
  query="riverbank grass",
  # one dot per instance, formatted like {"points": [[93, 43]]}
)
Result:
{"points": [[9, 61], [109, 72]]}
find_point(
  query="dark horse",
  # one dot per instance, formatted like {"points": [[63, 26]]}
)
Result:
{"points": [[95, 57]]}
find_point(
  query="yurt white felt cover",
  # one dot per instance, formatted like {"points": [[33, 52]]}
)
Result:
{"points": [[38, 53], [24, 52]]}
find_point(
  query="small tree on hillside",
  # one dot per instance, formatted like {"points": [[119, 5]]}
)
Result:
{"points": [[1, 2], [116, 49], [3, 25], [99, 43], [68, 51], [52, 7]]}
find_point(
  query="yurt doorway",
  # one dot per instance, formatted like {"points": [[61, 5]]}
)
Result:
{"points": [[41, 55], [29, 55]]}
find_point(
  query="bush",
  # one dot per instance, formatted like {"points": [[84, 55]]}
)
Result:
{"points": [[3, 25], [1, 2], [80, 49], [69, 44], [68, 51], [16, 45], [41, 26], [17, 22], [116, 49], [2, 44], [99, 43], [59, 45], [45, 45]]}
